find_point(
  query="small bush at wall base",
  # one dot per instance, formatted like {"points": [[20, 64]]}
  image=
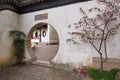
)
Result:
{"points": [[97, 74], [18, 44]]}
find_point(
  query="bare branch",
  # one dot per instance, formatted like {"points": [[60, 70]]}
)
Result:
{"points": [[102, 38], [109, 31], [96, 48], [105, 47]]}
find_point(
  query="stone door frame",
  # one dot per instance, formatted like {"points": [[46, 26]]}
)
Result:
{"points": [[28, 41]]}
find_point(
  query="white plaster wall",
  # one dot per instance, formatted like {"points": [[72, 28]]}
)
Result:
{"points": [[8, 21], [60, 18], [53, 35], [46, 38]]}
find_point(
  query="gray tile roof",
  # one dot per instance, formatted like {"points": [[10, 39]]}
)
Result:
{"points": [[20, 3]]}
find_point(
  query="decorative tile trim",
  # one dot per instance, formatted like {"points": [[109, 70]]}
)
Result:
{"points": [[47, 5], [8, 7], [27, 6]]}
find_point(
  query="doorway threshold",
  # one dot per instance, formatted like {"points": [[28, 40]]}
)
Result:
{"points": [[42, 63]]}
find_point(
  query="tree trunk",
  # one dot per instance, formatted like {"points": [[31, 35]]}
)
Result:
{"points": [[101, 63]]}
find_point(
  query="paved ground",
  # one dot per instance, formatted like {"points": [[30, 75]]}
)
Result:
{"points": [[45, 52], [34, 72]]}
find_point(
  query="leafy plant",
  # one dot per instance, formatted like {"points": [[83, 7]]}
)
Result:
{"points": [[112, 74], [18, 44], [96, 74]]}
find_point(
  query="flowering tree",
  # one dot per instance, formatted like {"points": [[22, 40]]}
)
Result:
{"points": [[98, 29]]}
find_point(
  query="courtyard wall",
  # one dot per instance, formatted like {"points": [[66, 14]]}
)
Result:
{"points": [[9, 20], [60, 18]]}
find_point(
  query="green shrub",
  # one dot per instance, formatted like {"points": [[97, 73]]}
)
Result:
{"points": [[97, 74], [18, 44], [112, 74]]}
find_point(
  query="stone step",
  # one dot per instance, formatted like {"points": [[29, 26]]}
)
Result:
{"points": [[42, 63]]}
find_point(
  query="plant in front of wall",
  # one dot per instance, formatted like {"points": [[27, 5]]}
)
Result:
{"points": [[96, 74], [99, 28], [18, 44]]}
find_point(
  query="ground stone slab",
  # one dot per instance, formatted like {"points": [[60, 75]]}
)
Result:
{"points": [[34, 72]]}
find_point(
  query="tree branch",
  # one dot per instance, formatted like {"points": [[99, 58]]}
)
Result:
{"points": [[106, 56], [111, 30], [102, 37], [95, 48]]}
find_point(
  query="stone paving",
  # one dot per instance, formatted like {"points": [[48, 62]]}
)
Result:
{"points": [[45, 52], [35, 72]]}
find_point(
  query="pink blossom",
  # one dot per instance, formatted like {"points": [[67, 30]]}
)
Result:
{"points": [[117, 1]]}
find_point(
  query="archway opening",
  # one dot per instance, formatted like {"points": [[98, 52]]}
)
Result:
{"points": [[42, 42]]}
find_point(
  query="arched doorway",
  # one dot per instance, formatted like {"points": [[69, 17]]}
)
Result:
{"points": [[42, 42]]}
